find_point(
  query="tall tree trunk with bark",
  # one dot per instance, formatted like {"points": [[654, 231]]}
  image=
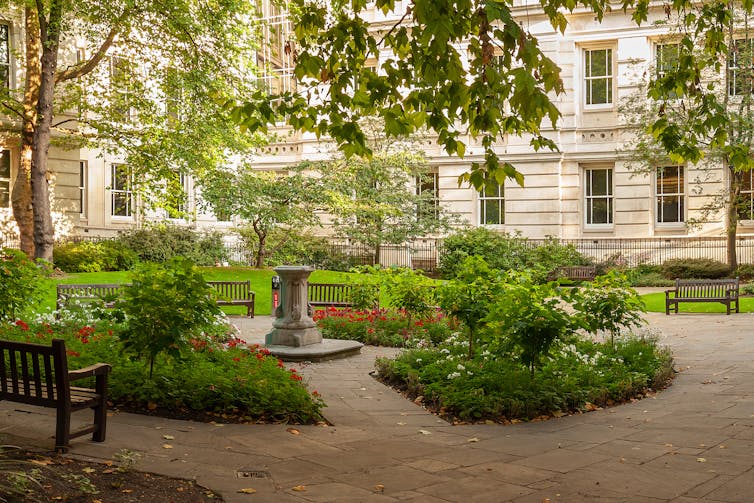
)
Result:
{"points": [[731, 215], [21, 196], [44, 233]]}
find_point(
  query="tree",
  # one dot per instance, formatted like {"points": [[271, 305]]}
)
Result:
{"points": [[504, 88], [378, 200], [84, 102], [266, 200], [700, 104]]}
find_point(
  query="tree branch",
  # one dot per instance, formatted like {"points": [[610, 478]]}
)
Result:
{"points": [[80, 69], [12, 109]]}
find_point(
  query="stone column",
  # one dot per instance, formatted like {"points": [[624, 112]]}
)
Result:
{"points": [[293, 326]]}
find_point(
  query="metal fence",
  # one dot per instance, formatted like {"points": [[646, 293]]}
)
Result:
{"points": [[425, 254]]}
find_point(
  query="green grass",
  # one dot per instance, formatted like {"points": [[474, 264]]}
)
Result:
{"points": [[260, 283], [655, 303]]}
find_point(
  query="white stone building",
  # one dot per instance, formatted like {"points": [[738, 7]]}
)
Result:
{"points": [[586, 190]]}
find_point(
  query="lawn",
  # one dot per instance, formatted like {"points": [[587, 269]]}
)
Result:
{"points": [[655, 303], [260, 283]]}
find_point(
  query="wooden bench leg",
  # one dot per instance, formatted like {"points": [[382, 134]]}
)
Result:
{"points": [[100, 411], [63, 428]]}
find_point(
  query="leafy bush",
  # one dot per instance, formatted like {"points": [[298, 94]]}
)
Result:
{"points": [[506, 252], [90, 256], [382, 327], [218, 376], [164, 307], [21, 283], [745, 271], [163, 242], [701, 268], [581, 375]]}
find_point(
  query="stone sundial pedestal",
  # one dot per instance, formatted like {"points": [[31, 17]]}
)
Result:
{"points": [[294, 335]]}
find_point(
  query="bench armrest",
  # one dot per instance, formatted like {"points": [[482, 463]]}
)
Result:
{"points": [[90, 371]]}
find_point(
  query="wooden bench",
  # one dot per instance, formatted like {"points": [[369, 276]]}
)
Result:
{"points": [[332, 295], [235, 293], [724, 291], [38, 375], [232, 293], [574, 273]]}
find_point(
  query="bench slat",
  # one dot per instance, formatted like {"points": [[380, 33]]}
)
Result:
{"points": [[724, 291]]}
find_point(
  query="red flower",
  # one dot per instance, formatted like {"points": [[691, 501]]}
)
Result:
{"points": [[296, 377], [281, 364], [22, 325], [73, 353], [236, 359]]}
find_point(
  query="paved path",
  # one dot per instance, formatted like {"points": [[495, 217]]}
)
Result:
{"points": [[692, 442]]}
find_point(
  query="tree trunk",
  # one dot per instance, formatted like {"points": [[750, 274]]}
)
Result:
{"points": [[44, 233], [262, 248], [731, 218], [21, 198]]}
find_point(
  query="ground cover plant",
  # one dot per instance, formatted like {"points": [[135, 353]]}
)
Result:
{"points": [[526, 349]]}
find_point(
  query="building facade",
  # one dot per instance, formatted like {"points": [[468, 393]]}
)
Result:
{"points": [[588, 189]]}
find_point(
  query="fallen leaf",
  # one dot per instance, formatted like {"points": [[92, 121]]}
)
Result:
{"points": [[425, 432], [472, 440], [43, 461], [401, 423], [299, 488], [109, 470], [167, 446], [722, 446], [293, 431], [168, 437], [701, 460], [247, 490], [151, 405], [379, 488], [127, 491], [88, 470]]}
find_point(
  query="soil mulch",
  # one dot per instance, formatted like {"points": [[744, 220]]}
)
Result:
{"points": [[27, 476]]}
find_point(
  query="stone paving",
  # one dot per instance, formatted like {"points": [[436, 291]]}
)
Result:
{"points": [[691, 442]]}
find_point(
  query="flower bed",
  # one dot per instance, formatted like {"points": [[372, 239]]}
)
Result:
{"points": [[580, 375], [217, 377], [382, 327]]}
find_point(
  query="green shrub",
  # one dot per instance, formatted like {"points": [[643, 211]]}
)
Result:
{"points": [[21, 283], [506, 252], [163, 242], [745, 271], [90, 256], [701, 268], [164, 307]]}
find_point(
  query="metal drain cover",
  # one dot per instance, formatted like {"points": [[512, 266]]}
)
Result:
{"points": [[247, 473]]}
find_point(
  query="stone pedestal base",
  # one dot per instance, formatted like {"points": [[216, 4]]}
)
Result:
{"points": [[328, 349], [294, 337]]}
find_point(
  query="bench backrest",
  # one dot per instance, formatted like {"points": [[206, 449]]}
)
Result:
{"points": [[239, 290], [701, 288], [87, 291], [33, 373], [337, 293]]}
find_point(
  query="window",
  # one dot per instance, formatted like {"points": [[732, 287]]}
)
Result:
{"points": [[177, 192], [598, 76], [82, 187], [120, 191], [173, 95], [666, 58], [5, 55], [4, 178], [746, 197], [427, 189], [599, 196], [740, 67], [670, 196], [121, 83], [492, 205]]}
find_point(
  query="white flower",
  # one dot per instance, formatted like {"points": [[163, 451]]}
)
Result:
{"points": [[461, 367], [418, 360], [453, 375]]}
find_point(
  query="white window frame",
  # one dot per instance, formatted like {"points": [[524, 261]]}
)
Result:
{"points": [[83, 188], [680, 195], [588, 80], [590, 198], [733, 68], [5, 156], [747, 190], [485, 199], [127, 192], [6, 62]]}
